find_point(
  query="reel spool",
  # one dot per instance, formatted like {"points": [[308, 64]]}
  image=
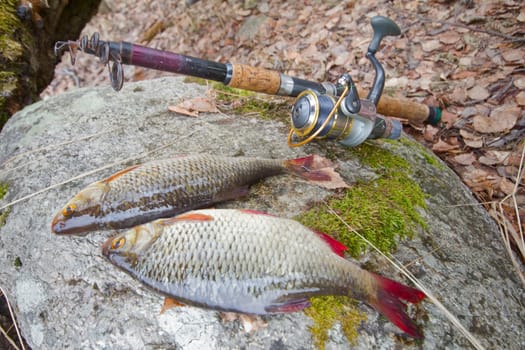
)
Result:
{"points": [[320, 116]]}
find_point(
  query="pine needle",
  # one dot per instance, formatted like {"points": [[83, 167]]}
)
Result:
{"points": [[416, 282]]}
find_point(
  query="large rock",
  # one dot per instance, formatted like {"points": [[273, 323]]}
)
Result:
{"points": [[67, 296]]}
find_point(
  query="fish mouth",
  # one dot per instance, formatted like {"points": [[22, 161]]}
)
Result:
{"points": [[105, 247], [79, 225]]}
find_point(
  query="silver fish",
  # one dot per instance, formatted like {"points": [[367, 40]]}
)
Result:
{"points": [[249, 262], [163, 188]]}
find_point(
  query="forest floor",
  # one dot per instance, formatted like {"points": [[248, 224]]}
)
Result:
{"points": [[466, 56]]}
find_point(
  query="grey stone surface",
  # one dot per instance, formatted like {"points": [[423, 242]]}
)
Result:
{"points": [[67, 296]]}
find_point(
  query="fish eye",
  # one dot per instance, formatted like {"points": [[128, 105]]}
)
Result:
{"points": [[69, 210], [118, 243]]}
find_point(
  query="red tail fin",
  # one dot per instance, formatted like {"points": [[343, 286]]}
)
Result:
{"points": [[387, 302], [316, 169]]}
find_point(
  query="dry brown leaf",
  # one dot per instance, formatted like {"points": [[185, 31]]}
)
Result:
{"points": [[430, 132], [194, 106], [442, 146], [463, 74], [449, 37], [513, 55], [430, 45], [520, 83], [478, 93], [506, 186], [464, 159], [487, 161], [520, 98], [449, 118], [501, 120], [470, 139]]}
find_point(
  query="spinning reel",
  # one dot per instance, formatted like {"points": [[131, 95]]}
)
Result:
{"points": [[346, 118]]}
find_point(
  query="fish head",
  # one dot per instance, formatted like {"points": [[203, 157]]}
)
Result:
{"points": [[123, 249], [79, 215]]}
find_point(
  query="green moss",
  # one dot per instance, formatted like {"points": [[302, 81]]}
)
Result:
{"points": [[325, 311], [247, 102], [9, 22], [3, 214], [3, 189], [430, 158], [383, 210], [12, 34]]}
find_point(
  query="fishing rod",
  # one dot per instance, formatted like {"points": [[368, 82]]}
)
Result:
{"points": [[321, 110]]}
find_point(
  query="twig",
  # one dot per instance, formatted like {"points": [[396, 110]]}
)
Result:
{"points": [[11, 313], [473, 29]]}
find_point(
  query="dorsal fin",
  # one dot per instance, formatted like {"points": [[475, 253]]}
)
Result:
{"points": [[337, 247], [120, 173], [191, 216]]}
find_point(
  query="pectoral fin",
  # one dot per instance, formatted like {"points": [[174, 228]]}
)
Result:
{"points": [[289, 304], [170, 303]]}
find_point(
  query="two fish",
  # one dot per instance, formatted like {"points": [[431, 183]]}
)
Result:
{"points": [[230, 260]]}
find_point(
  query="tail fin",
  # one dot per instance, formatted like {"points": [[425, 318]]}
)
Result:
{"points": [[388, 303], [316, 169]]}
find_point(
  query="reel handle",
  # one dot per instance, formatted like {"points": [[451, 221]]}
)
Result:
{"points": [[382, 27]]}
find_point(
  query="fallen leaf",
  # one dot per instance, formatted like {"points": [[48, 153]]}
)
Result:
{"points": [[465, 158], [448, 118], [478, 93], [520, 98], [520, 83], [442, 146], [500, 120], [513, 55], [430, 132], [194, 106], [470, 139], [506, 186], [487, 160], [431, 45], [463, 74], [449, 37]]}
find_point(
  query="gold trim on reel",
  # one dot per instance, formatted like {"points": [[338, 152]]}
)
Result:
{"points": [[311, 120]]}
